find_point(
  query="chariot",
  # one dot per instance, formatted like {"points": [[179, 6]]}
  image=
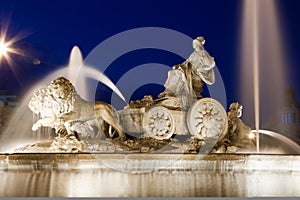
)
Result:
{"points": [[180, 109], [164, 118]]}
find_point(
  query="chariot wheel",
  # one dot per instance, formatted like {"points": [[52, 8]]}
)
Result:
{"points": [[159, 123], [207, 119]]}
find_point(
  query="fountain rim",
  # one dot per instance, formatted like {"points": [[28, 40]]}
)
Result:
{"points": [[145, 163]]}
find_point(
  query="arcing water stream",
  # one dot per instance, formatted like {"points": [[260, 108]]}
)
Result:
{"points": [[18, 130]]}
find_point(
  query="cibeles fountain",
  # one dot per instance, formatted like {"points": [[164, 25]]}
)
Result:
{"points": [[148, 124], [144, 125], [179, 144]]}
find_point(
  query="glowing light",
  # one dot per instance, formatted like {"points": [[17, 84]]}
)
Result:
{"points": [[9, 46], [3, 48], [251, 135], [6, 47]]}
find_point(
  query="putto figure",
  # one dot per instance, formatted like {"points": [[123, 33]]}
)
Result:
{"points": [[237, 137]]}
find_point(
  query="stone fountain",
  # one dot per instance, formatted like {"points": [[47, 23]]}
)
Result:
{"points": [[179, 110], [178, 145]]}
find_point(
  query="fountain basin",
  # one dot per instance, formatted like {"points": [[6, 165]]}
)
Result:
{"points": [[148, 175]]}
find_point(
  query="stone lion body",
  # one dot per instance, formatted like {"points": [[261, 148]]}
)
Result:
{"points": [[60, 107]]}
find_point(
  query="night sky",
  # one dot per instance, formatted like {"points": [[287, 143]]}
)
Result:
{"points": [[51, 28]]}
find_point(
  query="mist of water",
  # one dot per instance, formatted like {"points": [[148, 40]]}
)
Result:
{"points": [[255, 72], [75, 64], [18, 129], [285, 140], [78, 72], [262, 73], [97, 75]]}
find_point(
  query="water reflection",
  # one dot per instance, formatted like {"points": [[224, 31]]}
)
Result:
{"points": [[22, 181]]}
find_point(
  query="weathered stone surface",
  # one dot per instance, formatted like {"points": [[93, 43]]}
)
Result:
{"points": [[186, 79], [150, 123], [67, 143], [60, 107], [237, 137], [207, 119]]}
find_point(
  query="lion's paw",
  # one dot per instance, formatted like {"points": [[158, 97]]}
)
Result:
{"points": [[121, 138], [61, 130]]}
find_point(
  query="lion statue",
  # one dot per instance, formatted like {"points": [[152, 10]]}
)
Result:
{"points": [[61, 108]]}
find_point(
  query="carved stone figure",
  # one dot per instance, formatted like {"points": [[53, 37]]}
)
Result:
{"points": [[146, 102], [187, 79], [237, 136], [179, 110], [60, 107], [237, 130], [202, 62]]}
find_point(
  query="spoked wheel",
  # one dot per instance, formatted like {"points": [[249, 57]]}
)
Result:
{"points": [[207, 119], [159, 123]]}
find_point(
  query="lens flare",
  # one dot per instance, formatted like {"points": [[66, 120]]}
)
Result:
{"points": [[3, 48], [251, 135], [9, 47]]}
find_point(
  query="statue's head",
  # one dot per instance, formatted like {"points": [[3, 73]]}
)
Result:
{"points": [[61, 88], [198, 43], [236, 108]]}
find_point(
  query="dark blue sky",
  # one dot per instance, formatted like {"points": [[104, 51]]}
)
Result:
{"points": [[53, 27]]}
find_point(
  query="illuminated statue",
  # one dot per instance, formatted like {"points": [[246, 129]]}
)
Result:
{"points": [[186, 79], [179, 110], [60, 107], [238, 133]]}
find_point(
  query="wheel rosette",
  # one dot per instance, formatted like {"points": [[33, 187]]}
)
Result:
{"points": [[207, 119], [159, 123]]}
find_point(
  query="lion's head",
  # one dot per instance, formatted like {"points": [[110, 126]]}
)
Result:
{"points": [[61, 88], [37, 101]]}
